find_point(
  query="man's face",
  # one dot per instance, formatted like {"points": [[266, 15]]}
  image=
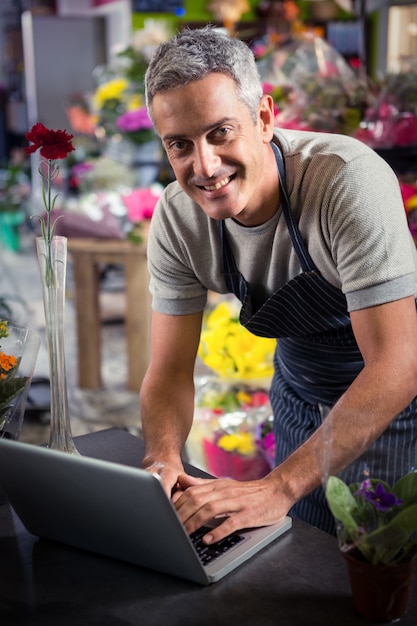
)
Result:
{"points": [[220, 157]]}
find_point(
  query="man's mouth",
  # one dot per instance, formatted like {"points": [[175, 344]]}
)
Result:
{"points": [[218, 185]]}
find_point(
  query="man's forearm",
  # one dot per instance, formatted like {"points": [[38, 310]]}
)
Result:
{"points": [[166, 415], [355, 422]]}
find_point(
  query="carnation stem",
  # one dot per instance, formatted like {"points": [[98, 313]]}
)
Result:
{"points": [[50, 278]]}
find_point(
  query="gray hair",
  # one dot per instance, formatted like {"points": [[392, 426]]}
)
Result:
{"points": [[193, 54]]}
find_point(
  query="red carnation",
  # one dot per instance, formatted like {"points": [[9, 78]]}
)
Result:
{"points": [[53, 144]]}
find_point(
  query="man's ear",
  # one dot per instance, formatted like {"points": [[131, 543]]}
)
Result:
{"points": [[266, 115]]}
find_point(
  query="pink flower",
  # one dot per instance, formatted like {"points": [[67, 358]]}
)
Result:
{"points": [[138, 119], [405, 130], [407, 192], [269, 443], [140, 204], [268, 88], [259, 398]]}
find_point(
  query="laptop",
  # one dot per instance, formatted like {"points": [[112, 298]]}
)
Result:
{"points": [[117, 511]]}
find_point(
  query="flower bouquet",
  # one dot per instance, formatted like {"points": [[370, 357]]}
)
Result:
{"points": [[232, 432], [18, 353], [321, 91], [391, 121], [377, 532], [118, 103], [230, 350]]}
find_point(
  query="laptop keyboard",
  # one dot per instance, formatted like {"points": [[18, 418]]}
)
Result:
{"points": [[207, 553]]}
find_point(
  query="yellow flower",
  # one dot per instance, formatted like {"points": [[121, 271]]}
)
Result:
{"points": [[112, 90], [243, 397], [231, 350], [134, 102], [4, 331], [242, 443]]}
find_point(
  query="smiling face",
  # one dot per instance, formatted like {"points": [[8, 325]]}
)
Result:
{"points": [[220, 157]]}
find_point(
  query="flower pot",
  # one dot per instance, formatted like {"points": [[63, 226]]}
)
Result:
{"points": [[380, 592], [10, 223]]}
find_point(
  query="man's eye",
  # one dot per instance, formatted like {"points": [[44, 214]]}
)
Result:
{"points": [[223, 131], [177, 145]]}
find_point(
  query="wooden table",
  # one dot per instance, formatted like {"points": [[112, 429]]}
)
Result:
{"points": [[89, 256]]}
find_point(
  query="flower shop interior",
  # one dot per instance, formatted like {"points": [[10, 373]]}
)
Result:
{"points": [[338, 66]]}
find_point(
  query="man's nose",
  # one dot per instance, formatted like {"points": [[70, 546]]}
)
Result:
{"points": [[206, 160]]}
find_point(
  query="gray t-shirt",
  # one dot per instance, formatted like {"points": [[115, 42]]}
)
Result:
{"points": [[348, 206]]}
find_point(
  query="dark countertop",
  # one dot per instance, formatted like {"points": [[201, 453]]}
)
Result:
{"points": [[300, 580]]}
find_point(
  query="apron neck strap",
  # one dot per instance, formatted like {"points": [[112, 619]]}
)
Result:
{"points": [[303, 255], [307, 264]]}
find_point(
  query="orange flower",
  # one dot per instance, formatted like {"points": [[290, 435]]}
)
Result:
{"points": [[7, 362]]}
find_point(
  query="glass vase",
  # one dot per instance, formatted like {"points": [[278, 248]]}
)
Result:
{"points": [[52, 260]]}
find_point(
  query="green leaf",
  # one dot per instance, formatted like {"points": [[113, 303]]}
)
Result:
{"points": [[406, 489], [395, 535], [9, 389], [342, 504]]}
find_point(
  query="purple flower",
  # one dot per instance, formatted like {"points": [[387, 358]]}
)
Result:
{"points": [[364, 488], [79, 169], [269, 441], [381, 499], [138, 119]]}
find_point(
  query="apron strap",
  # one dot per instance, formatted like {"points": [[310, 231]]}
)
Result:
{"points": [[229, 267], [303, 255], [234, 280]]}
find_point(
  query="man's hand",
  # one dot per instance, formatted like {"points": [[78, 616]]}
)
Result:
{"points": [[243, 504], [168, 473]]}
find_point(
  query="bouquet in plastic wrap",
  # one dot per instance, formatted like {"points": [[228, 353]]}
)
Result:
{"points": [[232, 435], [232, 432], [392, 120], [319, 90]]}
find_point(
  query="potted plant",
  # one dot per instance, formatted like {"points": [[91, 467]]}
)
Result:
{"points": [[377, 532]]}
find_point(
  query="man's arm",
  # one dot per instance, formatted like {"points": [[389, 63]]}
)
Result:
{"points": [[387, 338], [167, 393]]}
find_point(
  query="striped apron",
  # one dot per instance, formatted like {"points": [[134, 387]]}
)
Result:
{"points": [[316, 360]]}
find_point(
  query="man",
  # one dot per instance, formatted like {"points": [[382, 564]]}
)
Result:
{"points": [[309, 231]]}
